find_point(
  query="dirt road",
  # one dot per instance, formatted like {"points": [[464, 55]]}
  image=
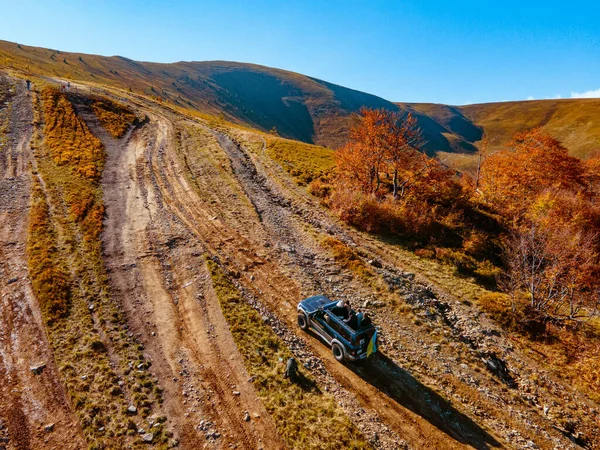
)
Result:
{"points": [[158, 225], [28, 402]]}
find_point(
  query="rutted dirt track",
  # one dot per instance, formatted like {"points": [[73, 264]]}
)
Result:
{"points": [[177, 190], [156, 230], [28, 402]]}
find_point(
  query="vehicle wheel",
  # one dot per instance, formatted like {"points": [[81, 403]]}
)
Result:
{"points": [[303, 321], [338, 352]]}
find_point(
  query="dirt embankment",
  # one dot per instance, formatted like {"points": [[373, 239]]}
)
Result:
{"points": [[29, 402]]}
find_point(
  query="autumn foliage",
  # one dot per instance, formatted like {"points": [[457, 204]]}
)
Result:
{"points": [[547, 198], [385, 183], [530, 220]]}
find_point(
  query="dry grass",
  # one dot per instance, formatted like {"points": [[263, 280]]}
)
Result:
{"points": [[572, 121], [347, 257], [304, 162], [49, 278], [6, 93], [68, 138], [304, 417], [115, 117], [96, 356]]}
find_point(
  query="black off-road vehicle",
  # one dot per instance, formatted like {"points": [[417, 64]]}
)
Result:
{"points": [[347, 344]]}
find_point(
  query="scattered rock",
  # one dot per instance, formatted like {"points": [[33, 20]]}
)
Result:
{"points": [[38, 369], [49, 428], [236, 393], [375, 263], [131, 409], [366, 303], [148, 437], [246, 417], [12, 280]]}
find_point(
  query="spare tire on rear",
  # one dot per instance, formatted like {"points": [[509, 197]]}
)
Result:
{"points": [[303, 321], [338, 352]]}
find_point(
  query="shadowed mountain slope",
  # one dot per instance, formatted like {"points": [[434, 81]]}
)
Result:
{"points": [[299, 107]]}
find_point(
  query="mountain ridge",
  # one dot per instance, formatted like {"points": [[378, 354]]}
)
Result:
{"points": [[311, 110]]}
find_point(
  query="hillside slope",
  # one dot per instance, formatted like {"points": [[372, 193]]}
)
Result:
{"points": [[460, 128], [182, 302], [299, 107]]}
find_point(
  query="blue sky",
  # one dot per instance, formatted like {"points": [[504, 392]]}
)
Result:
{"points": [[422, 51]]}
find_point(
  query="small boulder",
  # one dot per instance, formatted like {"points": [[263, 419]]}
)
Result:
{"points": [[246, 417], [38, 369], [49, 428], [148, 437], [131, 409]]}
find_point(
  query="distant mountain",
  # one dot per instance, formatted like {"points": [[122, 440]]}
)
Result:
{"points": [[299, 107], [308, 109]]}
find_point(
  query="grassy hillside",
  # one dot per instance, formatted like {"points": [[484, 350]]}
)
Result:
{"points": [[573, 121], [459, 129], [297, 106]]}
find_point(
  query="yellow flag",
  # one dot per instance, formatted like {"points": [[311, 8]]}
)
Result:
{"points": [[372, 347]]}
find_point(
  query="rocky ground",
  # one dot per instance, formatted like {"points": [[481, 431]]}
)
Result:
{"points": [[177, 189]]}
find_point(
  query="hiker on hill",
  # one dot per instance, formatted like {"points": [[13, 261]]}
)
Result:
{"points": [[68, 86], [28, 84]]}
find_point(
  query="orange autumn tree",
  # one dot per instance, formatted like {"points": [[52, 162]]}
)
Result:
{"points": [[385, 183], [533, 162], [384, 145], [551, 253], [552, 258]]}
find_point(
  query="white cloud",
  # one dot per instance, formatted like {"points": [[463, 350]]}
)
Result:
{"points": [[586, 94], [557, 96], [530, 98]]}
